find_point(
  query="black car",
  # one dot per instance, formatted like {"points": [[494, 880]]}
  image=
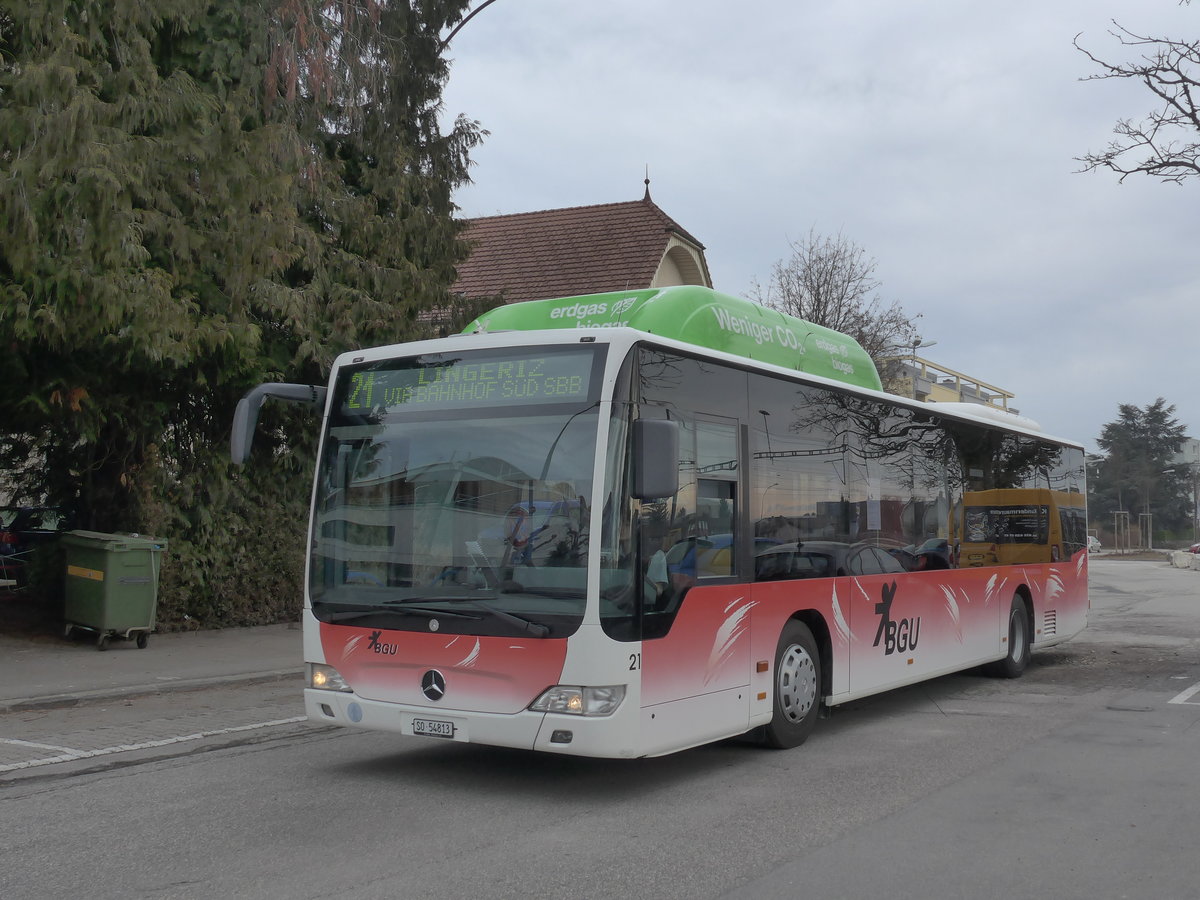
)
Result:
{"points": [[23, 529], [823, 559], [934, 554]]}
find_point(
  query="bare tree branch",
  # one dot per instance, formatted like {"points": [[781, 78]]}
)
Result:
{"points": [[830, 281], [1166, 144]]}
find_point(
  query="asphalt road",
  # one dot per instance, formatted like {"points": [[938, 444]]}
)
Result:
{"points": [[1077, 780]]}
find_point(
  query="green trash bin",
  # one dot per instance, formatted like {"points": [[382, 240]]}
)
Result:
{"points": [[112, 584]]}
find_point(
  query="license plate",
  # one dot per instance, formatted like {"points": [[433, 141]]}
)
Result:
{"points": [[433, 728]]}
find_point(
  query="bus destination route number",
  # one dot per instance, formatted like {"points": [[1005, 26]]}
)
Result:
{"points": [[458, 384]]}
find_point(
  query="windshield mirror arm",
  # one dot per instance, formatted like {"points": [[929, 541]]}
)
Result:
{"points": [[554, 446], [245, 417]]}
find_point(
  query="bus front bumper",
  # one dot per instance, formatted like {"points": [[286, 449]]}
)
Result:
{"points": [[608, 736]]}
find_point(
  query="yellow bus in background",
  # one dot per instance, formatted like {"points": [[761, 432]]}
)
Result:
{"points": [[1016, 526]]}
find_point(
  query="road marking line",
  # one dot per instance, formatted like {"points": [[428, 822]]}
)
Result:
{"points": [[1186, 696], [68, 754], [37, 746]]}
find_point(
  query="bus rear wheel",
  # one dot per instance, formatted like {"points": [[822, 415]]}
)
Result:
{"points": [[1017, 659], [797, 699]]}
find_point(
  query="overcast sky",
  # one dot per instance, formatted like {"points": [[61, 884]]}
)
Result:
{"points": [[938, 136]]}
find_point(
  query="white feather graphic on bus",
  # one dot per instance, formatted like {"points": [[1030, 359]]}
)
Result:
{"points": [[351, 645], [952, 609], [1054, 588], [468, 661], [735, 624], [994, 589], [845, 635]]}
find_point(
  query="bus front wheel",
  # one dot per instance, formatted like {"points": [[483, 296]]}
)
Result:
{"points": [[797, 687], [1017, 659]]}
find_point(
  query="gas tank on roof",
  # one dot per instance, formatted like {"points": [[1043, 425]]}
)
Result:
{"points": [[703, 317]]}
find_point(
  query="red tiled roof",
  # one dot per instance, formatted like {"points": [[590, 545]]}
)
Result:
{"points": [[566, 252]]}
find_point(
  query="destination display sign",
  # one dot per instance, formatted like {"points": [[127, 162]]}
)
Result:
{"points": [[1007, 524], [470, 382]]}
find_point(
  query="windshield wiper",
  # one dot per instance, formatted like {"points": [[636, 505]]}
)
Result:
{"points": [[512, 587], [537, 629], [350, 612]]}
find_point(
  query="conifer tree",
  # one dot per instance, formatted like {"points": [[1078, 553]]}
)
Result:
{"points": [[1137, 474], [195, 197]]}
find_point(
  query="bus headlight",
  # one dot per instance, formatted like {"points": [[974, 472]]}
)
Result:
{"points": [[326, 678], [580, 701]]}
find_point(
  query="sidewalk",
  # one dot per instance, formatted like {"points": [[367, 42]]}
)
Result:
{"points": [[41, 671]]}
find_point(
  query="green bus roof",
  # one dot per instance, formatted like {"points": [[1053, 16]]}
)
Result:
{"points": [[700, 316]]}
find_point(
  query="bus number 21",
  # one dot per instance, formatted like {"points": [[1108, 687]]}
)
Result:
{"points": [[635, 661]]}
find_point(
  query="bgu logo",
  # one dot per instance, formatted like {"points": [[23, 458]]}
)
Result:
{"points": [[378, 646], [896, 635]]}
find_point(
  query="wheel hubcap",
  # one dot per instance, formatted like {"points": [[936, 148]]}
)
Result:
{"points": [[797, 683]]}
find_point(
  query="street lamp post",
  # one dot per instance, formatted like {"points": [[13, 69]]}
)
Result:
{"points": [[766, 430], [917, 344], [762, 503], [469, 16]]}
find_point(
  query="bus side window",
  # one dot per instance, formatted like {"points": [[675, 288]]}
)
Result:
{"points": [[718, 501]]}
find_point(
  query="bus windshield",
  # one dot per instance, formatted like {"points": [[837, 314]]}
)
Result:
{"points": [[453, 493]]}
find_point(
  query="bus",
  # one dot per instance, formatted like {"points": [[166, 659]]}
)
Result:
{"points": [[627, 524], [1010, 526]]}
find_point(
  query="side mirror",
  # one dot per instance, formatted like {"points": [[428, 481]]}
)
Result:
{"points": [[245, 417], [655, 458]]}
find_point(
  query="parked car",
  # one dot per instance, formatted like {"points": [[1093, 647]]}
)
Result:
{"points": [[906, 556], [1093, 544], [822, 559], [1195, 548], [934, 554], [23, 529]]}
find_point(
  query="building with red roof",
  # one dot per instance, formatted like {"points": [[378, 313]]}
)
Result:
{"points": [[579, 250]]}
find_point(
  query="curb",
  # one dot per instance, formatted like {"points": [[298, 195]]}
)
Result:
{"points": [[79, 698]]}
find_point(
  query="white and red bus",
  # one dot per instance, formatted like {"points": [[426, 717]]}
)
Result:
{"points": [[627, 524]]}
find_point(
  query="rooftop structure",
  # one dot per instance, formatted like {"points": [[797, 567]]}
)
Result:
{"points": [[922, 379], [579, 250]]}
